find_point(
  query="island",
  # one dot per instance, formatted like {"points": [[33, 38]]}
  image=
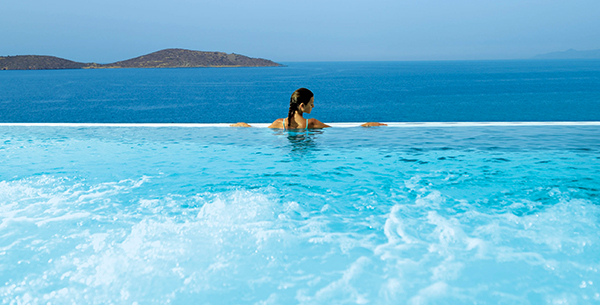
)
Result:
{"points": [[570, 54], [168, 58]]}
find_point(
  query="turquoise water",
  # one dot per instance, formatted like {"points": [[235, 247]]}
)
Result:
{"points": [[423, 215]]}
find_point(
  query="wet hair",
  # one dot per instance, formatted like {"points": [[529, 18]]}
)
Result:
{"points": [[300, 96]]}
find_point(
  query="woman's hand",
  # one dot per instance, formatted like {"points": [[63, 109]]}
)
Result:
{"points": [[240, 124], [373, 124]]}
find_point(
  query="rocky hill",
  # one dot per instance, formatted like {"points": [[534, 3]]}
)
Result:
{"points": [[180, 58], [35, 62], [169, 58]]}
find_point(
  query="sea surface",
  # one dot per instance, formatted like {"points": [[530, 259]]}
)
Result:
{"points": [[426, 213], [444, 91]]}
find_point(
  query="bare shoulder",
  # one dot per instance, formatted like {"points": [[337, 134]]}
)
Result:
{"points": [[314, 123], [277, 124]]}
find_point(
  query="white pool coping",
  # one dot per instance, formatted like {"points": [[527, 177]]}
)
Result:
{"points": [[337, 125]]}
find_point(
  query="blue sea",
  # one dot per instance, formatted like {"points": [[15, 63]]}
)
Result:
{"points": [[483, 189], [452, 91]]}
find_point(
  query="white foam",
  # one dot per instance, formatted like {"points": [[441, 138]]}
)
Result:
{"points": [[337, 125]]}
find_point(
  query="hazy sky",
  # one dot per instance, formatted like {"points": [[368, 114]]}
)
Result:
{"points": [[315, 30]]}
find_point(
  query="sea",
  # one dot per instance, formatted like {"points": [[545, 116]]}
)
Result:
{"points": [[127, 186], [442, 91]]}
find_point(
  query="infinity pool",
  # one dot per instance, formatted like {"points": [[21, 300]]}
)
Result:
{"points": [[444, 214]]}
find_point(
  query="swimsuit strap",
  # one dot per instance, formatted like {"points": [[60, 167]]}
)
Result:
{"points": [[305, 128]]}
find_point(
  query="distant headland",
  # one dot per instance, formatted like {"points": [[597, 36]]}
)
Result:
{"points": [[570, 54], [168, 58]]}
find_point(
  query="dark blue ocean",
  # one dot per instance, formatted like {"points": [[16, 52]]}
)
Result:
{"points": [[441, 91]]}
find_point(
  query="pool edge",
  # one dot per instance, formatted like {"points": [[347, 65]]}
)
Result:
{"points": [[338, 125]]}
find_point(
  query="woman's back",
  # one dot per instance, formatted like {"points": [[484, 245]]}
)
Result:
{"points": [[297, 124]]}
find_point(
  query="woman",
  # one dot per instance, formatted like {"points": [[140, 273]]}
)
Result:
{"points": [[302, 101]]}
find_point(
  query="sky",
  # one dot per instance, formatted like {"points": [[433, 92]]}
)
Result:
{"points": [[105, 31]]}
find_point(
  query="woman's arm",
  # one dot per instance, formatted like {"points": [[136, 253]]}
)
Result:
{"points": [[240, 124], [373, 124], [314, 123]]}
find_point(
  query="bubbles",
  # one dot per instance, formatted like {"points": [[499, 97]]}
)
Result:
{"points": [[228, 238], [469, 254]]}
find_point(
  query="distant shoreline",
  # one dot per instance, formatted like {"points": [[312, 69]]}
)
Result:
{"points": [[168, 58], [12, 60], [570, 54]]}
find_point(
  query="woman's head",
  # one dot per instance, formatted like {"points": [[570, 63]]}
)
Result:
{"points": [[301, 101]]}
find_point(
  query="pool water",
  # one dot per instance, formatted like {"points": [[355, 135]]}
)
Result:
{"points": [[209, 215]]}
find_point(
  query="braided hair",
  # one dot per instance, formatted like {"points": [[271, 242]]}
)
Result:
{"points": [[300, 96]]}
